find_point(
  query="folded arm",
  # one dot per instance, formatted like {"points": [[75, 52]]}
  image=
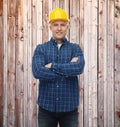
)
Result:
{"points": [[74, 67], [38, 66]]}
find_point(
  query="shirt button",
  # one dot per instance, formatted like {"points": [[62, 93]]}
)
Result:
{"points": [[57, 86], [57, 99]]}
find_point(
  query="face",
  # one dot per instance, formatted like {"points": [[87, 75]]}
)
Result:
{"points": [[59, 29]]}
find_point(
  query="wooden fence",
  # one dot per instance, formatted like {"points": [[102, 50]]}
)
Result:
{"points": [[95, 26]]}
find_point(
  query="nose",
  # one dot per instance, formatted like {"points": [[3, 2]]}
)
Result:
{"points": [[59, 27]]}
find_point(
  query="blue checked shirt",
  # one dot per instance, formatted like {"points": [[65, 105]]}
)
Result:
{"points": [[58, 86]]}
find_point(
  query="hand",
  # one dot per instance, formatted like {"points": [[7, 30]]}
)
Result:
{"points": [[48, 65], [74, 59]]}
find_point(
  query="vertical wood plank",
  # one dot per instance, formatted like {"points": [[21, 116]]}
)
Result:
{"points": [[49, 10], [81, 42], [86, 70], [110, 63], [94, 61], [11, 63], [45, 19], [90, 63], [108, 72], [67, 9], [33, 82], [74, 21], [25, 74], [5, 52], [117, 61], [105, 63], [101, 50], [19, 99], [62, 4], [39, 6], [55, 3], [39, 21], [29, 44], [1, 62], [90, 25]]}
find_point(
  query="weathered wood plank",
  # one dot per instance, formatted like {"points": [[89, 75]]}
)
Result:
{"points": [[5, 52], [55, 3], [1, 62], [39, 21], [29, 44], [101, 50], [33, 82], [90, 63], [93, 62], [10, 67], [25, 50], [74, 21], [49, 10], [11, 63], [117, 62], [19, 101], [87, 59], [110, 63], [105, 64], [45, 19], [39, 32], [108, 66], [67, 9], [90, 26], [62, 4], [81, 42]]}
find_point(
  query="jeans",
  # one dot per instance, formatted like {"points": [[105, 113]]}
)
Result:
{"points": [[51, 119]]}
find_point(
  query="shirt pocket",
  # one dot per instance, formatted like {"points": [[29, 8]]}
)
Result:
{"points": [[50, 58]]}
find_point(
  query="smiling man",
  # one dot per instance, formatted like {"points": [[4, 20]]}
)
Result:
{"points": [[56, 64]]}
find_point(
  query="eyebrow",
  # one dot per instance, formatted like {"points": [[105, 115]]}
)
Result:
{"points": [[60, 23]]}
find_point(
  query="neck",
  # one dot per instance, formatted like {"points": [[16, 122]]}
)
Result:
{"points": [[59, 41]]}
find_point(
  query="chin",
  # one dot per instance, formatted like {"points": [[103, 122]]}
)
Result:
{"points": [[60, 37]]}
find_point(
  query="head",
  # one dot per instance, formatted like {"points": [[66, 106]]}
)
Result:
{"points": [[58, 23], [59, 29]]}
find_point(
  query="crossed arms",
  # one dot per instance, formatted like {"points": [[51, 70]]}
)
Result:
{"points": [[57, 70]]}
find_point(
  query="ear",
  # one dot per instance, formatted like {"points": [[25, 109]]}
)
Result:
{"points": [[68, 26]]}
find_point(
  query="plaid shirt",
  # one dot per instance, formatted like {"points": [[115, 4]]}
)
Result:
{"points": [[58, 86]]}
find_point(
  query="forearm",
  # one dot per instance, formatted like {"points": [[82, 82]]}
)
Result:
{"points": [[42, 72], [69, 69]]}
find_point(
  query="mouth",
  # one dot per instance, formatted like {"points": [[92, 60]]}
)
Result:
{"points": [[59, 33]]}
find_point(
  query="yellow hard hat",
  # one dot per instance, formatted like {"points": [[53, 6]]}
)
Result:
{"points": [[58, 14]]}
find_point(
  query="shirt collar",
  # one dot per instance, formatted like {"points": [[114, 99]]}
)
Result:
{"points": [[64, 41]]}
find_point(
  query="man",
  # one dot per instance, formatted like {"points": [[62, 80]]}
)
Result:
{"points": [[56, 64]]}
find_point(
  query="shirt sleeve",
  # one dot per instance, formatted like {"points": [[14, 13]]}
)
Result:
{"points": [[38, 66], [71, 68]]}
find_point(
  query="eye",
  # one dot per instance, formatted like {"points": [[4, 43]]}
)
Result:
{"points": [[55, 24], [63, 24]]}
